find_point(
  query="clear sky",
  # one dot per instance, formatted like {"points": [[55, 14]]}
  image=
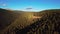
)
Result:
{"points": [[34, 4]]}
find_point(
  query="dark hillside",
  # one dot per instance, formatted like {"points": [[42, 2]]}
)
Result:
{"points": [[6, 18]]}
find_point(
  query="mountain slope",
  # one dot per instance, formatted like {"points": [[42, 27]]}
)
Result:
{"points": [[49, 23]]}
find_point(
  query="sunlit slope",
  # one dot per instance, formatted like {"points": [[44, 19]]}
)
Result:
{"points": [[49, 23], [23, 20]]}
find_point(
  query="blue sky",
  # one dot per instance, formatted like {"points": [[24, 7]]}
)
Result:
{"points": [[34, 4]]}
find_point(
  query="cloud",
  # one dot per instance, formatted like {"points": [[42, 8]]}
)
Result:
{"points": [[31, 8], [3, 4]]}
